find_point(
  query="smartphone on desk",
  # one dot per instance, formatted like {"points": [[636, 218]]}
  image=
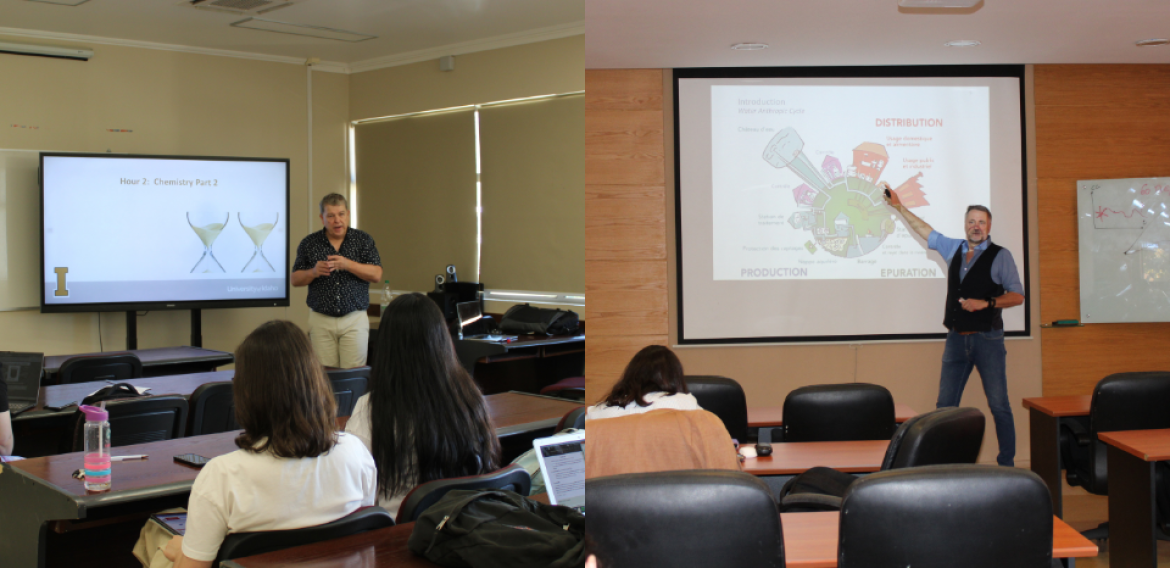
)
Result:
{"points": [[174, 523], [193, 460]]}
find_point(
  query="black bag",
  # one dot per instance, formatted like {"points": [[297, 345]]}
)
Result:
{"points": [[499, 529], [112, 392], [527, 319]]}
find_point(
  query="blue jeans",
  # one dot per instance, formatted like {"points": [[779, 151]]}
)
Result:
{"points": [[983, 351]]}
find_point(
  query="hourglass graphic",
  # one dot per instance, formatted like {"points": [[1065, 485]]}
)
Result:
{"points": [[258, 226], [208, 226]]}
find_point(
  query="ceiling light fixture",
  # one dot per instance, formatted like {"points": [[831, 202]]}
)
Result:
{"points": [[61, 2], [749, 46], [1151, 42], [962, 43], [301, 30], [938, 3]]}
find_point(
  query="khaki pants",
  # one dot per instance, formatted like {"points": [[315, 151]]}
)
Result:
{"points": [[340, 342], [152, 541]]}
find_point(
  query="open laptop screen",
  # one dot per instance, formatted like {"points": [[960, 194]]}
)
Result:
{"points": [[562, 461], [21, 372]]}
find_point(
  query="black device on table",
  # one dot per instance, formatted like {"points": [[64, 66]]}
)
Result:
{"points": [[193, 460], [21, 373], [764, 444]]}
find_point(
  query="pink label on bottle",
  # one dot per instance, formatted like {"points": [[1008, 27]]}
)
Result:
{"points": [[97, 461]]}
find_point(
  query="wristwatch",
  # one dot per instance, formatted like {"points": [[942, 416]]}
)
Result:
{"points": [[991, 303]]}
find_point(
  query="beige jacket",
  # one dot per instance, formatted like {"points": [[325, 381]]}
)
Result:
{"points": [[661, 440]]}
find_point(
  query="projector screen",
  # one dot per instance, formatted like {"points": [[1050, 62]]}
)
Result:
{"points": [[121, 232], [782, 232]]}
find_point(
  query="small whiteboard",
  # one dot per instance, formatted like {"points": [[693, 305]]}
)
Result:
{"points": [[1124, 228]]}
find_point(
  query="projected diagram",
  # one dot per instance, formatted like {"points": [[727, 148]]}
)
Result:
{"points": [[846, 213]]}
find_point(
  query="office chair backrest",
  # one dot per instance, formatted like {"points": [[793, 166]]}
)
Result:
{"points": [[574, 418], [348, 386], [685, 518], [512, 478], [110, 367], [942, 436], [1131, 401], [724, 398], [841, 412], [239, 545], [140, 420], [957, 516], [213, 409]]}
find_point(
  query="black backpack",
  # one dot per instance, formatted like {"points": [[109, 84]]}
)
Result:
{"points": [[527, 319], [499, 529], [112, 392]]}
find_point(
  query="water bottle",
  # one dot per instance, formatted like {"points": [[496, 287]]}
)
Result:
{"points": [[97, 448], [385, 295]]}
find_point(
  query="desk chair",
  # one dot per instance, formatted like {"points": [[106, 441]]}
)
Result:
{"points": [[239, 545], [959, 516], [715, 519], [213, 409], [348, 386], [842, 412], [511, 478], [943, 436], [115, 367], [139, 420], [1122, 401], [574, 418], [724, 398]]}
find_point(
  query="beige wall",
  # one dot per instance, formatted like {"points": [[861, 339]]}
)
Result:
{"points": [[175, 103], [544, 68], [623, 132]]}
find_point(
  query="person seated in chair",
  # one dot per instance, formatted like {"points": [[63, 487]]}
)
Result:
{"points": [[293, 468], [649, 422], [6, 439], [424, 418]]}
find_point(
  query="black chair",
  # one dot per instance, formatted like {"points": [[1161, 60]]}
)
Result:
{"points": [[239, 545], [512, 478], [943, 436], [709, 518], [831, 413], [574, 418], [212, 409], [1122, 401], [139, 420], [959, 516], [348, 386], [724, 398], [115, 367]]}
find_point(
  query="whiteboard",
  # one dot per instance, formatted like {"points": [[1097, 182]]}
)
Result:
{"points": [[20, 241], [1124, 234]]}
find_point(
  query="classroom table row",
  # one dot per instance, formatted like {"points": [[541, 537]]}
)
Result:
{"points": [[1132, 457]]}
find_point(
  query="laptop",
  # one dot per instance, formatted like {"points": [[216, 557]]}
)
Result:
{"points": [[21, 373], [471, 312], [562, 464]]}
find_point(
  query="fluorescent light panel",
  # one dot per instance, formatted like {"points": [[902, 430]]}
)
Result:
{"points": [[301, 30], [62, 2]]}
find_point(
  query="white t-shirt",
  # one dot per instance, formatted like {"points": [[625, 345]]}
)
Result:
{"points": [[359, 425], [244, 492]]}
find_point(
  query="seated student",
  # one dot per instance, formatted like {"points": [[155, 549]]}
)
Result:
{"points": [[424, 417], [649, 422], [293, 468], [6, 439]]}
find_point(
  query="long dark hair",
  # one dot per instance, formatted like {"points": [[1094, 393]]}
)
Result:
{"points": [[281, 393], [428, 419], [653, 369]]}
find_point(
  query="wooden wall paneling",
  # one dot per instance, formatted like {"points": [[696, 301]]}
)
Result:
{"points": [[625, 221], [1093, 122]]}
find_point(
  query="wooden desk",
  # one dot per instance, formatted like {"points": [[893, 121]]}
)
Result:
{"points": [[156, 362], [43, 488], [810, 540], [795, 458], [527, 364], [773, 416], [1132, 513], [1045, 415]]}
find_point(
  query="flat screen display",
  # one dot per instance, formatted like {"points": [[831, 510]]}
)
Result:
{"points": [[123, 232], [782, 231]]}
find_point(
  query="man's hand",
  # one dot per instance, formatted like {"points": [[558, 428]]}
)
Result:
{"points": [[323, 268], [337, 262], [893, 198], [174, 548], [974, 305]]}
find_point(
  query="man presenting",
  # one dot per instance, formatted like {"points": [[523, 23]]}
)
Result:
{"points": [[337, 264], [981, 281]]}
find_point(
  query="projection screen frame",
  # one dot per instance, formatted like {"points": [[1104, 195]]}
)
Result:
{"points": [[46, 307], [846, 72]]}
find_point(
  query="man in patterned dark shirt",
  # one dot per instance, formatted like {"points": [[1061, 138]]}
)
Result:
{"points": [[337, 264]]}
